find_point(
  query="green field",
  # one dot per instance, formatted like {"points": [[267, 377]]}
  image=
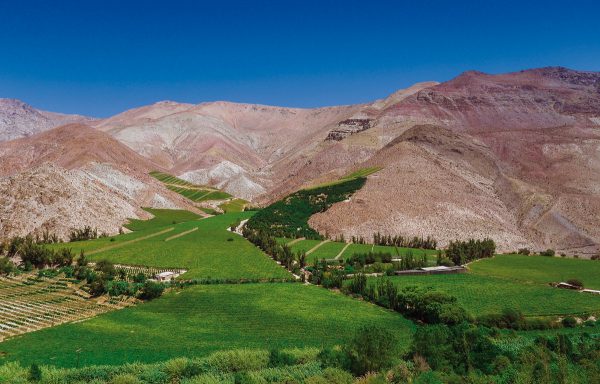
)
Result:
{"points": [[540, 269], [208, 252], [331, 249], [480, 294], [196, 193], [520, 282], [162, 217], [234, 205], [204, 318]]}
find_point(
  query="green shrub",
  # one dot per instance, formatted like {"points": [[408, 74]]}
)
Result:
{"points": [[548, 252], [151, 290], [569, 322]]}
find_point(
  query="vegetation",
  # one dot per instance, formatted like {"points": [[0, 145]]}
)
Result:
{"points": [[407, 242], [234, 205], [204, 252], [196, 193], [162, 218], [540, 270], [462, 252], [289, 217], [207, 318], [481, 294]]}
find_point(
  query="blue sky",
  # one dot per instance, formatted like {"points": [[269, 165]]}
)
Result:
{"points": [[102, 57]]}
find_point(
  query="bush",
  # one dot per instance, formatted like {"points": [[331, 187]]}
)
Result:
{"points": [[238, 360], [548, 252], [35, 373], [6, 266], [569, 322], [524, 251], [151, 290]]}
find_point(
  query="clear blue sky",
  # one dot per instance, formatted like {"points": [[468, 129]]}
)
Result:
{"points": [[102, 57]]}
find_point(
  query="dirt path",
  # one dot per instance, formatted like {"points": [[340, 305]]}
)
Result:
{"points": [[342, 251], [317, 246], [129, 242], [295, 241], [181, 234]]}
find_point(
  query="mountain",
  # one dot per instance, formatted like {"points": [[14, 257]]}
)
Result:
{"points": [[18, 119], [517, 152], [515, 156], [72, 176]]}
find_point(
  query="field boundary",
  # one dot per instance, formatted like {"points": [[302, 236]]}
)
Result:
{"points": [[295, 241], [181, 234], [342, 251], [130, 241], [317, 246]]}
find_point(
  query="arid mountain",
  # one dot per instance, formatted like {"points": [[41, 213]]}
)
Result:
{"points": [[515, 157], [539, 133], [18, 119], [72, 176]]}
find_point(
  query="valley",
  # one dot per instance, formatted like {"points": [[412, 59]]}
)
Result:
{"points": [[180, 235]]}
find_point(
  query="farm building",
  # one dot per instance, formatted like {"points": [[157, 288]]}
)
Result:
{"points": [[441, 269], [166, 276]]}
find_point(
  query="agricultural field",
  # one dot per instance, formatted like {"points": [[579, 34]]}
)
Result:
{"points": [[234, 205], [204, 318], [540, 269], [331, 249], [162, 218], [203, 247], [29, 303], [196, 193], [519, 282]]}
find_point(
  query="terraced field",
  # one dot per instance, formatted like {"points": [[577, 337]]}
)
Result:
{"points": [[196, 193], [202, 319], [203, 247], [29, 303]]}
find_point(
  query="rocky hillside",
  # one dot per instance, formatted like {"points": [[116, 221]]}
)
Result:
{"points": [[514, 156], [18, 119]]}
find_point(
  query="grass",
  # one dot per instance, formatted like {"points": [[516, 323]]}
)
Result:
{"points": [[201, 319], [234, 205], [540, 269], [326, 251], [481, 294], [304, 245], [206, 253], [162, 218], [516, 281]]}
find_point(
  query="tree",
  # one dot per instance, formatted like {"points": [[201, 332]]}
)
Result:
{"points": [[6, 266], [372, 349]]}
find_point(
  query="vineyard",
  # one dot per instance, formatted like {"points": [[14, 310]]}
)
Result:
{"points": [[29, 303], [201, 319], [196, 193]]}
